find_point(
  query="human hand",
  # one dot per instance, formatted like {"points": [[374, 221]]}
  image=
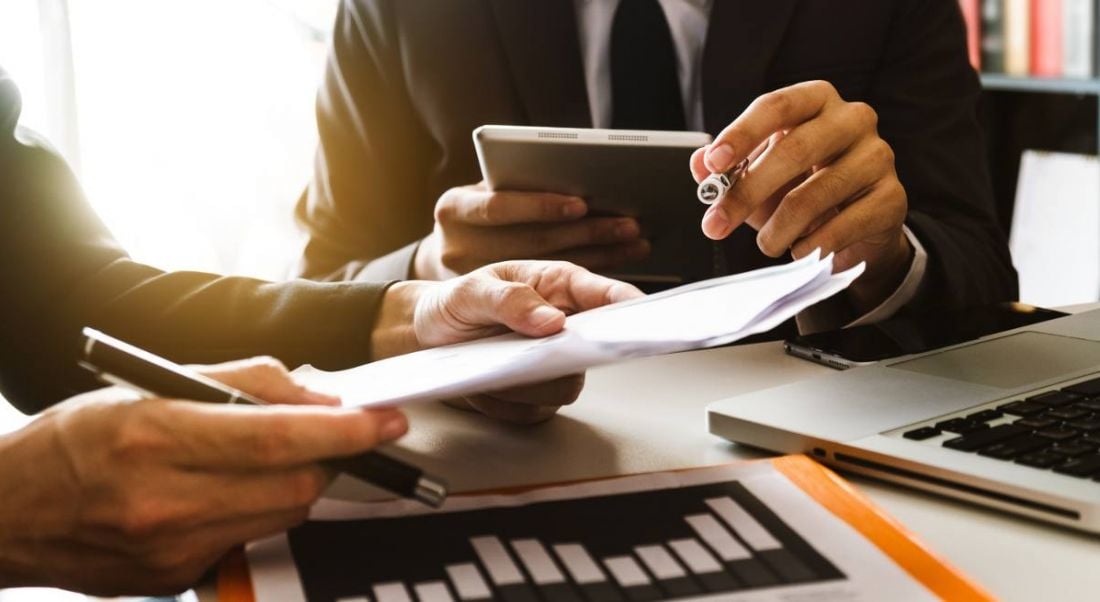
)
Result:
{"points": [[528, 297], [475, 227], [110, 495], [820, 176]]}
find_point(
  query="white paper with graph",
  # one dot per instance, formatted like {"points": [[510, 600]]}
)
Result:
{"points": [[744, 532], [704, 314]]}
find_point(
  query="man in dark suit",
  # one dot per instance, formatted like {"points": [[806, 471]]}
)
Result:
{"points": [[859, 114], [109, 494]]}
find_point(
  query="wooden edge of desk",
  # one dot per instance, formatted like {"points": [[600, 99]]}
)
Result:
{"points": [[234, 584], [882, 529]]}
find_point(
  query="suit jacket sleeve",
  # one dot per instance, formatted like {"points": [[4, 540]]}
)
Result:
{"points": [[356, 210], [926, 95], [61, 270]]}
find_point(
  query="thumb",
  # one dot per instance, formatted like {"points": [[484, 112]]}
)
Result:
{"points": [[268, 379], [522, 309]]}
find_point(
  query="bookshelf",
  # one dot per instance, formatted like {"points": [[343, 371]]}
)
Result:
{"points": [[1019, 113], [1009, 83], [998, 82]]}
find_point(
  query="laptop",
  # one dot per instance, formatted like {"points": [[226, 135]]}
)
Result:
{"points": [[1010, 421]]}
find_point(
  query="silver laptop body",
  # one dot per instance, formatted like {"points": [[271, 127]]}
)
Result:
{"points": [[858, 420]]}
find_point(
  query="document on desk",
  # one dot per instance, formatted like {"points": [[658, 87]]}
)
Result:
{"points": [[785, 529], [704, 314]]}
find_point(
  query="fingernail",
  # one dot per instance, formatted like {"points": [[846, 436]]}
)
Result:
{"points": [[627, 228], [719, 158], [394, 427], [574, 209], [715, 224], [543, 315]]}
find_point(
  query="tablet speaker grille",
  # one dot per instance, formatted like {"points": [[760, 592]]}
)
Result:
{"points": [[563, 135], [628, 137]]}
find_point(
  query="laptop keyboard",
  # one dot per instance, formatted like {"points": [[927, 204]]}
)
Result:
{"points": [[1056, 430]]}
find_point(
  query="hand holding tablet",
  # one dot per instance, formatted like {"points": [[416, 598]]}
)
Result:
{"points": [[626, 176]]}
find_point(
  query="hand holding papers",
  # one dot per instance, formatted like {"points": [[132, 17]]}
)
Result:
{"points": [[695, 316]]}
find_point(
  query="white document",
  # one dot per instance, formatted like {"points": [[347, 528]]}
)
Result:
{"points": [[1055, 238], [662, 541], [704, 314]]}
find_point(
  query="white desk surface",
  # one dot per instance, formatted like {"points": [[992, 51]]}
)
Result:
{"points": [[648, 415]]}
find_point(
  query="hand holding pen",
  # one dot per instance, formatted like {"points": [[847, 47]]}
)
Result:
{"points": [[822, 177], [119, 363], [111, 495]]}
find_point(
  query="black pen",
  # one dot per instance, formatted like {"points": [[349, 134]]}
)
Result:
{"points": [[118, 363]]}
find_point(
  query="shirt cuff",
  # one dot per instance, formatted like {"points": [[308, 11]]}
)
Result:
{"points": [[828, 316], [906, 291]]}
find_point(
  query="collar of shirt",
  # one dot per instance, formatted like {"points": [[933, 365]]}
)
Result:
{"points": [[687, 20]]}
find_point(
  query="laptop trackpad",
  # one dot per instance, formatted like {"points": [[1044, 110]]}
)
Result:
{"points": [[1010, 362]]}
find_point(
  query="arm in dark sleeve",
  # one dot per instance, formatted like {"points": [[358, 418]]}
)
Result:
{"points": [[357, 208], [926, 96], [61, 270]]}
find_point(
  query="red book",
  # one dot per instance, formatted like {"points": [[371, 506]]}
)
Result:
{"points": [[971, 10], [1046, 38]]}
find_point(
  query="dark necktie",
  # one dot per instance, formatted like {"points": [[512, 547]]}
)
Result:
{"points": [[645, 89]]}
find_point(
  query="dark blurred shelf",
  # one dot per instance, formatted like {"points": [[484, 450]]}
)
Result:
{"points": [[996, 81]]}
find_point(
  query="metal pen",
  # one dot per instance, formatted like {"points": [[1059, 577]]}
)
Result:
{"points": [[118, 363], [716, 185]]}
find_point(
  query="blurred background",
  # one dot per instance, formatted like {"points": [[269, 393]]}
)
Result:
{"points": [[190, 124]]}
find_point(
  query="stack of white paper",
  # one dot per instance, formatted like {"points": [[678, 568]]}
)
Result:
{"points": [[704, 314]]}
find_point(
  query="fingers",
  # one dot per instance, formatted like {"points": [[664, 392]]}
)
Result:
{"points": [[566, 286], [246, 438], [189, 500], [516, 413], [477, 206], [471, 247], [506, 411], [815, 200], [795, 153], [556, 393], [775, 111], [589, 291], [521, 309], [874, 218], [237, 495], [184, 557], [176, 559], [524, 242], [268, 379], [699, 169]]}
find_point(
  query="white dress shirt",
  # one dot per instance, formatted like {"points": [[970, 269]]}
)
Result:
{"points": [[688, 21]]}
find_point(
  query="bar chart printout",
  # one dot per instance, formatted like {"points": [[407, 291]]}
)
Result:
{"points": [[710, 533]]}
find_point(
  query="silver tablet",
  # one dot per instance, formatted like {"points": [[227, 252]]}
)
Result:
{"points": [[618, 172]]}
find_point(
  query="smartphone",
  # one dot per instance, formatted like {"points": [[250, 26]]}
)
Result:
{"points": [[863, 345]]}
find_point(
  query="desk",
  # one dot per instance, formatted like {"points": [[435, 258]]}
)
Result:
{"points": [[648, 415]]}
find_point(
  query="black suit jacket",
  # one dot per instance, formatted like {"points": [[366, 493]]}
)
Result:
{"points": [[408, 80], [61, 271]]}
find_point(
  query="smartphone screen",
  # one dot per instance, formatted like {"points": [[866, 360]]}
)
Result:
{"points": [[914, 334]]}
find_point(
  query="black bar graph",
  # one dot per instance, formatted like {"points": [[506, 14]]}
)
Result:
{"points": [[629, 547]]}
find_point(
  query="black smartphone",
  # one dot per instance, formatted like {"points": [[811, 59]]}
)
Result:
{"points": [[862, 345]]}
